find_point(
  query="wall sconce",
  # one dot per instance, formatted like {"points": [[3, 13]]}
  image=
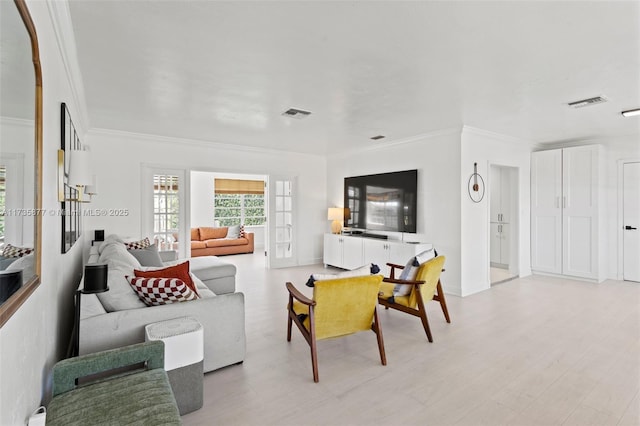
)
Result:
{"points": [[91, 189], [336, 214], [79, 175]]}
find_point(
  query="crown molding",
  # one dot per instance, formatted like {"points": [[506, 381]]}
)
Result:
{"points": [[499, 136], [397, 142], [615, 141], [65, 38], [144, 137]]}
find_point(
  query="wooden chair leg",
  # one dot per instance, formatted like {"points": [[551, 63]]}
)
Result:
{"points": [[378, 331], [312, 343], [289, 320], [443, 303], [423, 317], [314, 361]]}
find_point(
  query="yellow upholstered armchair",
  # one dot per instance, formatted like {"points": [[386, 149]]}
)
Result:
{"points": [[426, 287], [339, 307]]}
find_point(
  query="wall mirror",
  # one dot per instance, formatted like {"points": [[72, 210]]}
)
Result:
{"points": [[20, 157]]}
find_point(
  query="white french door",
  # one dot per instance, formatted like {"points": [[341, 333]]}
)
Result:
{"points": [[631, 221], [281, 251], [164, 208]]}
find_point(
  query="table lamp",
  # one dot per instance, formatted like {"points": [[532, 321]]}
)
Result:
{"points": [[336, 214]]}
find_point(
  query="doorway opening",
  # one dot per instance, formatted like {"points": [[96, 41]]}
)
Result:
{"points": [[503, 224], [230, 199]]}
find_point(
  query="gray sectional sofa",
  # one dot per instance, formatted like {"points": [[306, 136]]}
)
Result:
{"points": [[117, 318]]}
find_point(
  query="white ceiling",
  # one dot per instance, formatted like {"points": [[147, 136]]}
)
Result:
{"points": [[225, 71]]}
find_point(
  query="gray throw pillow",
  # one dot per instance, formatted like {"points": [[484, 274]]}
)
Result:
{"points": [[148, 256], [233, 232]]}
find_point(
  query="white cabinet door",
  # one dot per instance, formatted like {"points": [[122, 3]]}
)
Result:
{"points": [[494, 254], [580, 211], [332, 250], [504, 244], [546, 211], [401, 253], [352, 253], [376, 252]]}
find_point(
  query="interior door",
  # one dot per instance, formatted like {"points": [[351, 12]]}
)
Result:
{"points": [[281, 236], [164, 208], [631, 221]]}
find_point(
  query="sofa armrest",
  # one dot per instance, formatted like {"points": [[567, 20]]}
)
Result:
{"points": [[67, 371], [250, 237]]}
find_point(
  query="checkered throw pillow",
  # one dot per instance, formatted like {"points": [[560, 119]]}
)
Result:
{"points": [[242, 231], [137, 245], [13, 251], [161, 291]]}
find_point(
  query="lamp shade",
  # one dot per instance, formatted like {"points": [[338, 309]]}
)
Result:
{"points": [[335, 213], [79, 168], [91, 189]]}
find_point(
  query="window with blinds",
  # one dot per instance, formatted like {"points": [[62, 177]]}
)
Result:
{"points": [[239, 202]]}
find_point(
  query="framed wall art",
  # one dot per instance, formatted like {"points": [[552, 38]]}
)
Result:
{"points": [[69, 196]]}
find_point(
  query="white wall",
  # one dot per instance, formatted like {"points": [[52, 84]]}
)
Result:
{"points": [[202, 210], [487, 148], [38, 334], [437, 158], [118, 158]]}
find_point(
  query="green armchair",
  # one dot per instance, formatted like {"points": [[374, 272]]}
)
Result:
{"points": [[139, 396]]}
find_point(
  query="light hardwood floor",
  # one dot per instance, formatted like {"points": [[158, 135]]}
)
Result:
{"points": [[532, 351]]}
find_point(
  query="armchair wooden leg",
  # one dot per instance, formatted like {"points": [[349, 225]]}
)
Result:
{"points": [[289, 320], [443, 303], [378, 331], [314, 349], [423, 318]]}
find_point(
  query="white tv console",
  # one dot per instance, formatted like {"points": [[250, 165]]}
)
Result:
{"points": [[350, 252]]}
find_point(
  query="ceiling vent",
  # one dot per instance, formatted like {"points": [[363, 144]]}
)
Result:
{"points": [[375, 138], [588, 102], [296, 113]]}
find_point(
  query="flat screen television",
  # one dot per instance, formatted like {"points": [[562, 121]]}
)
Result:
{"points": [[382, 202]]}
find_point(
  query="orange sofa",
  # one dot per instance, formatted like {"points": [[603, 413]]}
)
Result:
{"points": [[207, 241]]}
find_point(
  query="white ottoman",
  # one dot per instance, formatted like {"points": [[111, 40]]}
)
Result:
{"points": [[183, 358]]}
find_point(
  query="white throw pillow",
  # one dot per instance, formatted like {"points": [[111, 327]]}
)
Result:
{"points": [[358, 272], [410, 270], [116, 255]]}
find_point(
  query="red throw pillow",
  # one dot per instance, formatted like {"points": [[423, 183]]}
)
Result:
{"points": [[180, 271], [161, 291]]}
